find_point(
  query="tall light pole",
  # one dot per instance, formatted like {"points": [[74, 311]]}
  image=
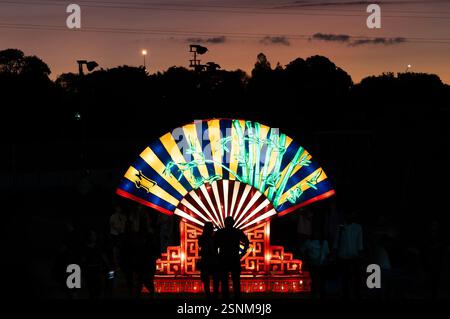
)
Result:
{"points": [[197, 49], [144, 53]]}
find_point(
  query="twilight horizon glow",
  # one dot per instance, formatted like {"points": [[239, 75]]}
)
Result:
{"points": [[234, 32]]}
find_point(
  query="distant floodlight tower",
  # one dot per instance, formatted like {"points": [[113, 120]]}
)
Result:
{"points": [[408, 67], [90, 66], [196, 49], [144, 54]]}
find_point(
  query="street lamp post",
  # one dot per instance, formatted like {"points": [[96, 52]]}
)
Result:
{"points": [[144, 53]]}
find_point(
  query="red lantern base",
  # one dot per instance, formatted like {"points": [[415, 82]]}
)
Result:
{"points": [[265, 268], [249, 284]]}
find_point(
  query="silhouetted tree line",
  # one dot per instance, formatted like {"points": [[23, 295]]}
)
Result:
{"points": [[128, 97]]}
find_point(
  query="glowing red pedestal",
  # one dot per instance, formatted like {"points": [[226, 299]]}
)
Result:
{"points": [[265, 268]]}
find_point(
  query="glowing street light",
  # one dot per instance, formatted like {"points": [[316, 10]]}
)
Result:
{"points": [[408, 67], [144, 53]]}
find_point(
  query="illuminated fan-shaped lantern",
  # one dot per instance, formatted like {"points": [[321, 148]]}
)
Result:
{"points": [[209, 170]]}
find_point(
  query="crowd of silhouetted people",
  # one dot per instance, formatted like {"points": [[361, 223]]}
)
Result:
{"points": [[335, 248], [127, 256], [337, 260], [128, 252]]}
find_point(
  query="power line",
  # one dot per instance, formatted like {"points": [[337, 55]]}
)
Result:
{"points": [[112, 30], [186, 33], [203, 5], [223, 9]]}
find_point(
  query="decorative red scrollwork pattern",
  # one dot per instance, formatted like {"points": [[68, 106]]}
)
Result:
{"points": [[260, 259]]}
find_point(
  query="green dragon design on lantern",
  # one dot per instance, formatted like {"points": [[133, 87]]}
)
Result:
{"points": [[247, 159]]}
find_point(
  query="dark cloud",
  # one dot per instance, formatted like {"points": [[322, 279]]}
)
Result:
{"points": [[276, 40], [331, 37], [212, 40], [356, 42], [384, 41]]}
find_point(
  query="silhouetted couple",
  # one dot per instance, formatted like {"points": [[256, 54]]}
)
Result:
{"points": [[220, 256]]}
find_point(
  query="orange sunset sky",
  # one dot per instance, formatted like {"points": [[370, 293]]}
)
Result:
{"points": [[114, 32]]}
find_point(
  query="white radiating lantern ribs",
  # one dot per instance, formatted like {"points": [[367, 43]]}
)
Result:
{"points": [[214, 203]]}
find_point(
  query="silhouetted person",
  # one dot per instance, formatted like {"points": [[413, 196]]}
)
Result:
{"points": [[127, 255], [117, 224], [228, 241], [68, 253], [208, 261], [94, 265], [348, 247], [379, 242], [146, 254], [316, 253], [112, 265]]}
